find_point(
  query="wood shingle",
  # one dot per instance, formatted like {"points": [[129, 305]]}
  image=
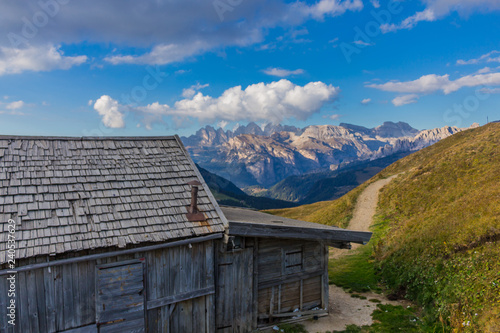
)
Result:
{"points": [[76, 193]]}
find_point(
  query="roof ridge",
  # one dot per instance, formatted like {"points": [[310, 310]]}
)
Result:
{"points": [[87, 138]]}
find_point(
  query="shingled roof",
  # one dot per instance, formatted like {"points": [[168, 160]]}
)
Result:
{"points": [[71, 194]]}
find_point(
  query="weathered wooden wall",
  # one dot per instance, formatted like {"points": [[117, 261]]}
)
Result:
{"points": [[291, 276], [180, 288], [234, 308]]}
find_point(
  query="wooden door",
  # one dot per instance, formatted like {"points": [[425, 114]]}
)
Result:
{"points": [[120, 297], [234, 301]]}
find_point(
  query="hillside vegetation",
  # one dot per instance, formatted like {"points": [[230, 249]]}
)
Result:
{"points": [[328, 185], [437, 229], [335, 213], [441, 240]]}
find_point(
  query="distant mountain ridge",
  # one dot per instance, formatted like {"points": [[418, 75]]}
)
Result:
{"points": [[254, 155]]}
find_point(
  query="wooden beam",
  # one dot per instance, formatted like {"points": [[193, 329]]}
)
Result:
{"points": [[180, 297], [294, 314], [112, 254], [288, 279], [328, 236]]}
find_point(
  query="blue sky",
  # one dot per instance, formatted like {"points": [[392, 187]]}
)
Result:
{"points": [[124, 67]]}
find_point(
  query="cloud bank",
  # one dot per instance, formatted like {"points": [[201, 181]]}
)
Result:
{"points": [[282, 72], [35, 58], [437, 9], [432, 83], [272, 102], [405, 99]]}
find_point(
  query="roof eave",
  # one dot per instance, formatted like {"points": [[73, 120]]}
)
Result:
{"points": [[331, 237]]}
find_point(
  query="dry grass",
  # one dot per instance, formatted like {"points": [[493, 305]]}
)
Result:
{"points": [[335, 213], [443, 227], [438, 228]]}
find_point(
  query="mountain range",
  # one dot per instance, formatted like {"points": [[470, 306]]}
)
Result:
{"points": [[253, 155]]}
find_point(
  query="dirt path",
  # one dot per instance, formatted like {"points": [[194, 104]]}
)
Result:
{"points": [[344, 309]]}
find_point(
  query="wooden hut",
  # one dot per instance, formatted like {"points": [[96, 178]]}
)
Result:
{"points": [[106, 239], [123, 235], [283, 264]]}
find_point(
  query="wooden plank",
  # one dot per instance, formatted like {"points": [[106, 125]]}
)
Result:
{"points": [[120, 297], [247, 293], [293, 314], [198, 264], [106, 255], [129, 326], [291, 278], [84, 329], [174, 288], [186, 316], [210, 302], [325, 286], [4, 302], [38, 280], [224, 304], [290, 296], [255, 307], [301, 304], [210, 268], [31, 287], [180, 297], [58, 296], [288, 232], [68, 298]]}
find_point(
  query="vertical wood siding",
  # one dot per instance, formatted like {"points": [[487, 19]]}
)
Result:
{"points": [[63, 298], [291, 276]]}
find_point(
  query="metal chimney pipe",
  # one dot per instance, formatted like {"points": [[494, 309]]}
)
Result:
{"points": [[193, 212], [193, 209]]}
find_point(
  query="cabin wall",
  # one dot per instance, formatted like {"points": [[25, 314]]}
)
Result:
{"points": [[292, 276], [179, 295]]}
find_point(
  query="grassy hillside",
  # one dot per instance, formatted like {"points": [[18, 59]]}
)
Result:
{"points": [[328, 185], [437, 230], [335, 213], [442, 229]]}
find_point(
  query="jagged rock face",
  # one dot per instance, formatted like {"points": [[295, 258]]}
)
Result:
{"points": [[252, 155]]}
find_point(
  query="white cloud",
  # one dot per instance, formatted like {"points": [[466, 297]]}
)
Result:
{"points": [[35, 58], [15, 105], [13, 113], [410, 22], [282, 72], [222, 124], [335, 116], [334, 41], [375, 3], [488, 57], [405, 99], [366, 101], [111, 112], [165, 31], [272, 102], [191, 91], [163, 54], [490, 90], [437, 9], [330, 8], [362, 43], [484, 70], [432, 83]]}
